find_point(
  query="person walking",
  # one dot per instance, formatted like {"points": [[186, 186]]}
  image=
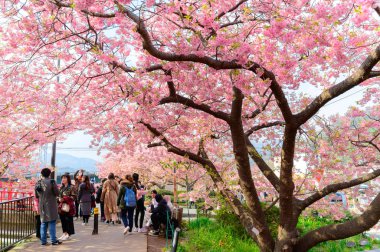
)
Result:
{"points": [[47, 192], [109, 197], [86, 189], [78, 176], [140, 208], [98, 196], [66, 207], [126, 201]]}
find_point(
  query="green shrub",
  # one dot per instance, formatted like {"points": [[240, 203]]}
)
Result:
{"points": [[212, 194], [227, 217], [164, 192], [272, 216]]}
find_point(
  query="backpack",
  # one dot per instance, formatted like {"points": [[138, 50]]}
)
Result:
{"points": [[129, 197]]}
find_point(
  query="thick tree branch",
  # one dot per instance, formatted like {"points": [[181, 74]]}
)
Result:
{"points": [[172, 148], [373, 74], [176, 98], [190, 103], [361, 74], [244, 169], [263, 166], [99, 14], [339, 231], [263, 126], [336, 187], [377, 9], [127, 69]]}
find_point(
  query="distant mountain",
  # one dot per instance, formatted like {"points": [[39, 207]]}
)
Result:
{"points": [[69, 163]]}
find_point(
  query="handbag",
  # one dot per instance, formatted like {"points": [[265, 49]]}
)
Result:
{"points": [[65, 207]]}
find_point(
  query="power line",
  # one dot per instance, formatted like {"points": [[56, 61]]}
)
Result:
{"points": [[349, 95]]}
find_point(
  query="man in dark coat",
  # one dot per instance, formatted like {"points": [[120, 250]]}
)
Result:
{"points": [[160, 214], [47, 192]]}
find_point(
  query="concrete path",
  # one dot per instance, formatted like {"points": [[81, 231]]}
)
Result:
{"points": [[110, 238]]}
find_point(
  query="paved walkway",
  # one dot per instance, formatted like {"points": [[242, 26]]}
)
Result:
{"points": [[110, 238]]}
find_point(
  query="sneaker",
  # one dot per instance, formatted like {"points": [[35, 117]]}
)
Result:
{"points": [[135, 229], [154, 233], [142, 230], [126, 230], [45, 244], [56, 243], [83, 224], [64, 237], [113, 223]]}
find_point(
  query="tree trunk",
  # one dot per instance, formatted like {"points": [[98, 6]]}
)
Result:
{"points": [[260, 228], [288, 219]]}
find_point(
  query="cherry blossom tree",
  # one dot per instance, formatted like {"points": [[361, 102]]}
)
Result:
{"points": [[187, 76], [25, 125]]}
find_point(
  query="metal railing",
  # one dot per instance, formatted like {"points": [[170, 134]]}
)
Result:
{"points": [[17, 221], [174, 231]]}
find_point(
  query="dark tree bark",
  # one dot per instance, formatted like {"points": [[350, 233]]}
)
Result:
{"points": [[244, 171]]}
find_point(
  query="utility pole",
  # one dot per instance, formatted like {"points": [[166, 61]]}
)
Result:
{"points": [[54, 147], [175, 186], [53, 157]]}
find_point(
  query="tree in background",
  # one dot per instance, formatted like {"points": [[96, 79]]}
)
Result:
{"points": [[25, 125], [190, 76]]}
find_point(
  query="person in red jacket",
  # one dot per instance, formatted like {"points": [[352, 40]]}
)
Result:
{"points": [[66, 208]]}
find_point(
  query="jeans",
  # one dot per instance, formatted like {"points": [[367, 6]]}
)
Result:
{"points": [[127, 216], [44, 227]]}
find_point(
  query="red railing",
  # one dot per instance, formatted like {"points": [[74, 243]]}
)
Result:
{"points": [[11, 191], [8, 195]]}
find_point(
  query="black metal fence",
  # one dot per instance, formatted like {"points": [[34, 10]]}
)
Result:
{"points": [[17, 221]]}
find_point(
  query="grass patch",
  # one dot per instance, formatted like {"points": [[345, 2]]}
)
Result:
{"points": [[225, 233], [306, 224], [208, 235]]}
